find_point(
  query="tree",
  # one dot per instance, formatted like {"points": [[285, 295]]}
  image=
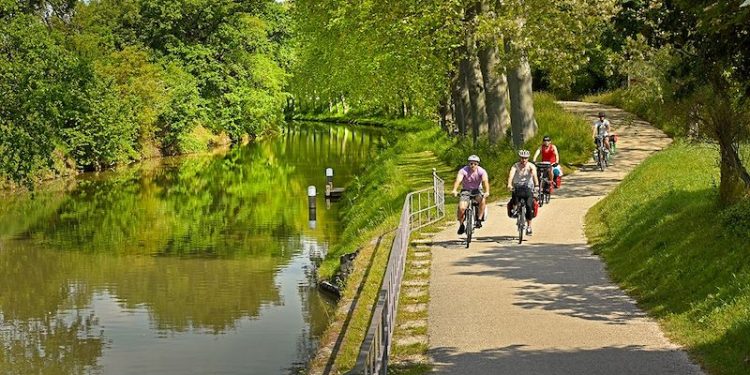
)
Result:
{"points": [[720, 44]]}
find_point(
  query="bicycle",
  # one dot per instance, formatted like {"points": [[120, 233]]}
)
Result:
{"points": [[520, 211], [601, 156], [543, 169], [471, 215]]}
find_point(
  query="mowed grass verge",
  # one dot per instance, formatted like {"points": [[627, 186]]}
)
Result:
{"points": [[668, 243]]}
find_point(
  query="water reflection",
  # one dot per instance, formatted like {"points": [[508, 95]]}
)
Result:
{"points": [[205, 261]]}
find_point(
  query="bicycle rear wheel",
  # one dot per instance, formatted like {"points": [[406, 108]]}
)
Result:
{"points": [[469, 220]]}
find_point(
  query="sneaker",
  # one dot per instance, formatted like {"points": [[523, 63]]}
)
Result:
{"points": [[478, 224], [462, 229], [529, 232]]}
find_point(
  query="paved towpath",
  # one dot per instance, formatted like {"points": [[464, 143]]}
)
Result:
{"points": [[546, 306]]}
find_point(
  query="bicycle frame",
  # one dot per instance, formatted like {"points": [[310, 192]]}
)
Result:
{"points": [[470, 215], [601, 153], [521, 210]]}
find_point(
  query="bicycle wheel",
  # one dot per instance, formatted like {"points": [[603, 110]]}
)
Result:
{"points": [[469, 220], [540, 199], [600, 160], [521, 221], [546, 198]]}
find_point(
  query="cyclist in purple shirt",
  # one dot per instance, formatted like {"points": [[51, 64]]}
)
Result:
{"points": [[473, 178]]}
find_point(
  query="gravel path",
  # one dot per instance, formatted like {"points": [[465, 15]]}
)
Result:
{"points": [[546, 306]]}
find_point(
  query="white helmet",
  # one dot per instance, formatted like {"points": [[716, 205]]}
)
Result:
{"points": [[524, 153], [474, 158]]}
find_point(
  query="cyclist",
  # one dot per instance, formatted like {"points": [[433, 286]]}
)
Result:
{"points": [[473, 177], [550, 154], [523, 180], [601, 130]]}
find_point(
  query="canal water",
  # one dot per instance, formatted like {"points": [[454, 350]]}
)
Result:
{"points": [[190, 265]]}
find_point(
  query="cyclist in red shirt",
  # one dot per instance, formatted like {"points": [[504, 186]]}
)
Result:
{"points": [[550, 154]]}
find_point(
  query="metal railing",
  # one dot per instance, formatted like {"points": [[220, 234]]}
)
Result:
{"points": [[421, 208]]}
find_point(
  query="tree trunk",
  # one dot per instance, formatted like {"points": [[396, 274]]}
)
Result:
{"points": [[523, 124], [463, 103], [495, 86], [443, 110], [735, 180], [495, 82], [474, 82]]}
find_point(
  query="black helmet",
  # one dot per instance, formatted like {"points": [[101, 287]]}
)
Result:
{"points": [[546, 138], [601, 114]]}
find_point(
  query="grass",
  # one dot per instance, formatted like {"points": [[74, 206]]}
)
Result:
{"points": [[661, 234]]}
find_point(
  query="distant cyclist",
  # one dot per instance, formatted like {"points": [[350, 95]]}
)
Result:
{"points": [[551, 155], [473, 177], [601, 130], [522, 180]]}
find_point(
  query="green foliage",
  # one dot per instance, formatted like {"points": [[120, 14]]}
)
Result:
{"points": [[41, 87], [662, 235], [107, 82], [378, 58]]}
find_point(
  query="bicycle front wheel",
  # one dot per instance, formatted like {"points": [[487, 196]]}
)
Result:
{"points": [[521, 222], [469, 219], [540, 199]]}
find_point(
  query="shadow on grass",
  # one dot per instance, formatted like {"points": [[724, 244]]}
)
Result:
{"points": [[668, 250], [720, 360], [518, 360]]}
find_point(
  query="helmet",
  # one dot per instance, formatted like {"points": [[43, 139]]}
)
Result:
{"points": [[601, 114], [524, 153], [474, 158], [546, 138]]}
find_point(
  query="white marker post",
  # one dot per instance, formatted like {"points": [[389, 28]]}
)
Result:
{"points": [[311, 206]]}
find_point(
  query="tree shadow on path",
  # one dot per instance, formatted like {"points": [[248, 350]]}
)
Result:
{"points": [[565, 279]]}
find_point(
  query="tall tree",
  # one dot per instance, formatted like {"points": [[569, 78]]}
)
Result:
{"points": [[721, 45], [523, 123], [495, 83]]}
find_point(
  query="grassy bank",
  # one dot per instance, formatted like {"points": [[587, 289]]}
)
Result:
{"points": [[668, 243], [373, 200]]}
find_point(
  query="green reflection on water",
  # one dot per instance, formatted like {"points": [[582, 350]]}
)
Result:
{"points": [[198, 243]]}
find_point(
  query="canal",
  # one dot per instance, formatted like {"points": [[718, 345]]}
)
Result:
{"points": [[191, 265]]}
